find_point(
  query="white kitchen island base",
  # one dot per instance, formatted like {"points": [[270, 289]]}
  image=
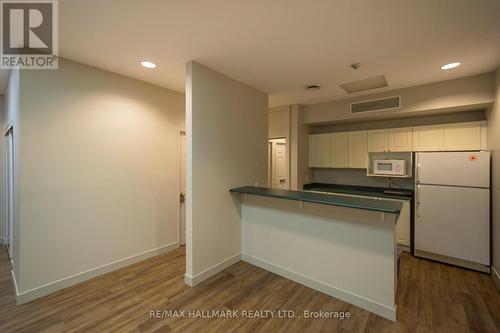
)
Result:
{"points": [[347, 253]]}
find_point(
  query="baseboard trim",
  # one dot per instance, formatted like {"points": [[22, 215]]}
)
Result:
{"points": [[404, 247], [200, 277], [14, 282], [364, 303], [495, 277], [453, 261], [32, 294]]}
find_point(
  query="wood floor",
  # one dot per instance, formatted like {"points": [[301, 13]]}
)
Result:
{"points": [[431, 298]]}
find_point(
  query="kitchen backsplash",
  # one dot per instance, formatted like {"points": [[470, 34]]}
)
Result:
{"points": [[358, 177]]}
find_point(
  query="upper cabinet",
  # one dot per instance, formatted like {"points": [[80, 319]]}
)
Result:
{"points": [[320, 150], [340, 150], [401, 139], [465, 136], [428, 138], [448, 137], [378, 141], [350, 149], [358, 153]]}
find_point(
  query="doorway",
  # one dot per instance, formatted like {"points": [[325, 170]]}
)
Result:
{"points": [[9, 191], [278, 164], [182, 188]]}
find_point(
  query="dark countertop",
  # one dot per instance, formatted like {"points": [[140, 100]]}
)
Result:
{"points": [[392, 207], [379, 192]]}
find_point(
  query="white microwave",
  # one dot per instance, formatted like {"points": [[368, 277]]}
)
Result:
{"points": [[389, 167]]}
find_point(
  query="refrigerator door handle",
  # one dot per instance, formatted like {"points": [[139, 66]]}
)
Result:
{"points": [[418, 200], [418, 172]]}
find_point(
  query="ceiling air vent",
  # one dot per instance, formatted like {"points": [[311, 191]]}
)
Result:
{"points": [[383, 104]]}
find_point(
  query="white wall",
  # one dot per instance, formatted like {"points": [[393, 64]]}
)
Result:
{"points": [[357, 177], [98, 172], [226, 148], [494, 147], [470, 93], [279, 122], [446, 118]]}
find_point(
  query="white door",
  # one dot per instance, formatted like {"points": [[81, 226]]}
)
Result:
{"points": [[182, 187], [278, 164], [453, 222], [9, 195], [454, 168]]}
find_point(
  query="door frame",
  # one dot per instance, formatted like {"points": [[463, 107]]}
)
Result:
{"points": [[180, 134], [270, 158], [9, 190]]}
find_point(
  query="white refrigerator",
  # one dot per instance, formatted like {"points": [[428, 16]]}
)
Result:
{"points": [[452, 209]]}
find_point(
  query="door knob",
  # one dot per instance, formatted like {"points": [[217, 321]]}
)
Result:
{"points": [[182, 197]]}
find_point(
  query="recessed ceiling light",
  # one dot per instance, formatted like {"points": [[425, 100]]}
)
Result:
{"points": [[312, 86], [148, 64], [450, 66]]}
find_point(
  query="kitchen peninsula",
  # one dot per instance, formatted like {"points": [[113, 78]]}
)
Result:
{"points": [[342, 246]]}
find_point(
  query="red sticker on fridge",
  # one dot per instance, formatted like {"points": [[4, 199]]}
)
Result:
{"points": [[473, 158]]}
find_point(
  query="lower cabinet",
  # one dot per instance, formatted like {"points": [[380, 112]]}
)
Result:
{"points": [[403, 225]]}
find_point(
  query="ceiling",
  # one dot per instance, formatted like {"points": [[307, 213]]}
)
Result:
{"points": [[279, 46]]}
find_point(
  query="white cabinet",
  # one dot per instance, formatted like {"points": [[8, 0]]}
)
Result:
{"points": [[320, 150], [340, 150], [463, 136], [358, 154], [378, 141], [449, 137], [403, 224], [401, 139], [350, 149], [428, 138]]}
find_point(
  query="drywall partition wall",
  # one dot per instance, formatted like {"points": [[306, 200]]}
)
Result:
{"points": [[279, 122], [299, 149], [470, 93], [226, 148], [494, 147], [11, 118], [98, 176]]}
